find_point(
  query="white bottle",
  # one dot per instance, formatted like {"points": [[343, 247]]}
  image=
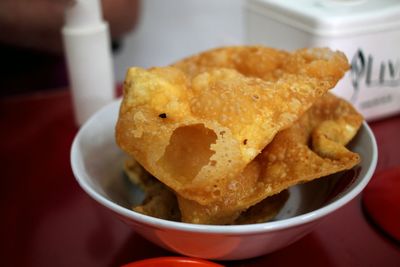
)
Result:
{"points": [[88, 53]]}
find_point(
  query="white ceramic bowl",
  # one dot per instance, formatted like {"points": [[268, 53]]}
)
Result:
{"points": [[97, 165]]}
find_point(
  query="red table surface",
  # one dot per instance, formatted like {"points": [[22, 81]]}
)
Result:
{"points": [[47, 219]]}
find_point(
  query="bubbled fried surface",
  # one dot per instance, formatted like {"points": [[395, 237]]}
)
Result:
{"points": [[197, 128], [256, 61], [269, 63]]}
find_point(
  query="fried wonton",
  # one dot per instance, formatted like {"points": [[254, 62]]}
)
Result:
{"points": [[197, 129], [313, 147]]}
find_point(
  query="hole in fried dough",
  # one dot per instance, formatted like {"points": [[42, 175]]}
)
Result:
{"points": [[188, 151]]}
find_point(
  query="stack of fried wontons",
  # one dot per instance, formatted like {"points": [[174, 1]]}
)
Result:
{"points": [[225, 130]]}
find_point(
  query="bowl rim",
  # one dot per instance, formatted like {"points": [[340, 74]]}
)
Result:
{"points": [[82, 178]]}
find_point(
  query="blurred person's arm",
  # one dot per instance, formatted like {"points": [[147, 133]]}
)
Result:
{"points": [[36, 24]]}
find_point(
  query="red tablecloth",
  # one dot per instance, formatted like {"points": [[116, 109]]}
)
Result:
{"points": [[47, 220]]}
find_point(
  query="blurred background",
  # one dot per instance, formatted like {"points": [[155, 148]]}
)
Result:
{"points": [[169, 30], [144, 33]]}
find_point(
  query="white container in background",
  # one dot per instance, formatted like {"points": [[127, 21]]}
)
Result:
{"points": [[88, 53], [367, 31]]}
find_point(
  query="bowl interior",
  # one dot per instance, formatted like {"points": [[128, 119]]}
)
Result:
{"points": [[98, 166]]}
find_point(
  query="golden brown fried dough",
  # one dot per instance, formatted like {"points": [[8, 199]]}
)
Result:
{"points": [[196, 133], [200, 125]]}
